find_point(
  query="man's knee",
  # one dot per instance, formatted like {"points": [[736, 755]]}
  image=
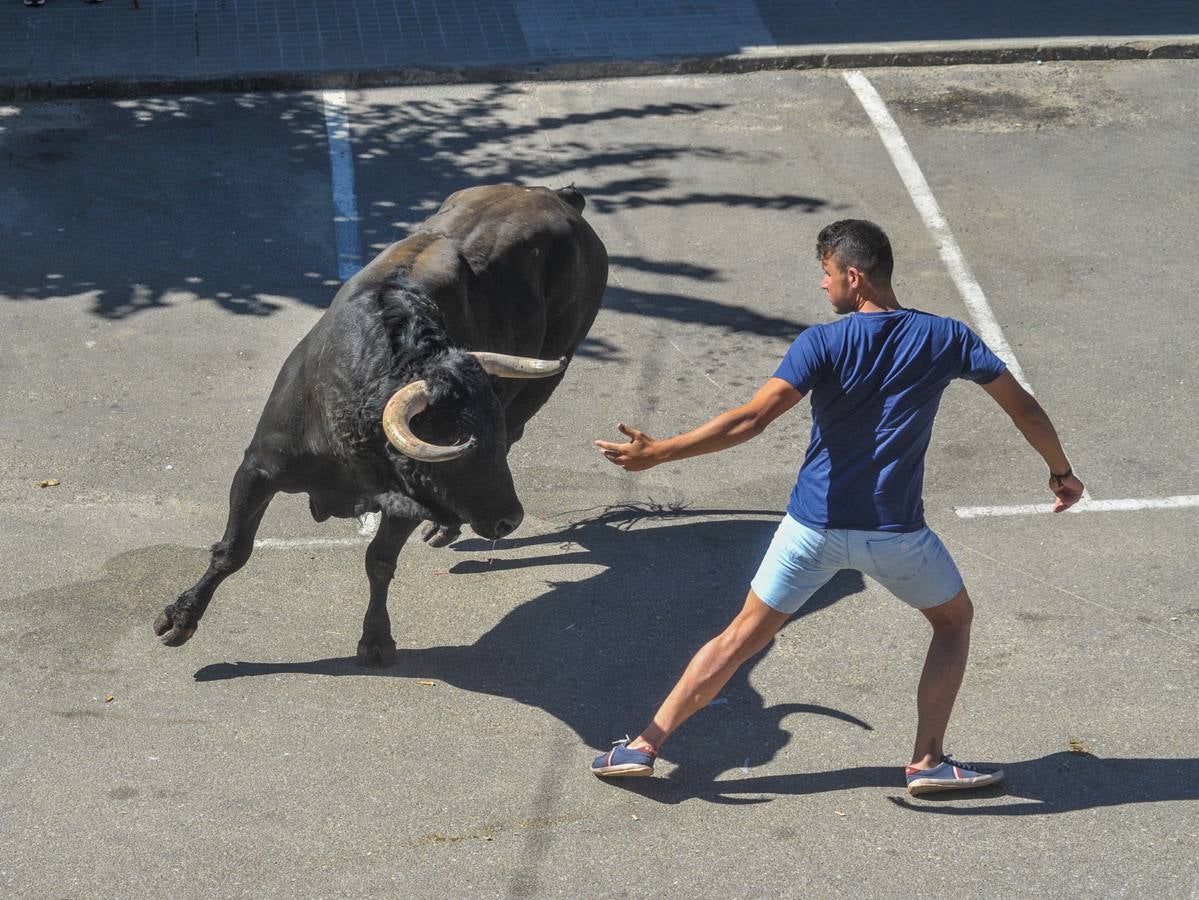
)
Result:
{"points": [[752, 630], [955, 614]]}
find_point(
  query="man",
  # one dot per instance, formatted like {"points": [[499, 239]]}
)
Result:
{"points": [[876, 379]]}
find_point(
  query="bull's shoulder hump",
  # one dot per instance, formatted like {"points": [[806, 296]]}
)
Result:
{"points": [[405, 255], [496, 207]]}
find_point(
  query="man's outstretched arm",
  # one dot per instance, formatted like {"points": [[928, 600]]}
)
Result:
{"points": [[1038, 430], [729, 428]]}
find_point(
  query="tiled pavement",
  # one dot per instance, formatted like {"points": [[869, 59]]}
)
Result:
{"points": [[67, 41]]}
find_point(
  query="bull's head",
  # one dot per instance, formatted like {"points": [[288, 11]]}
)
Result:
{"points": [[482, 493]]}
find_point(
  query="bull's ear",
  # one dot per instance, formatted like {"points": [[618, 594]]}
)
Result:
{"points": [[501, 365], [570, 195]]}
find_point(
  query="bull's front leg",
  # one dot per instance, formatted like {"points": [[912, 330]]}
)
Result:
{"points": [[377, 647], [249, 497]]}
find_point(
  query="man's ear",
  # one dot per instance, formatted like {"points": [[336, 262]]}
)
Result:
{"points": [[856, 278]]}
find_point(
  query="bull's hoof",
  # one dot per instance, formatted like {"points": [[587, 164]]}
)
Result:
{"points": [[439, 535], [376, 654], [171, 634]]}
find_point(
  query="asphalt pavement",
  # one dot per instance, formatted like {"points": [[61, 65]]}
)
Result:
{"points": [[166, 251]]}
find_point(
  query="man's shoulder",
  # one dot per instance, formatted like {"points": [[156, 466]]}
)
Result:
{"points": [[815, 334], [858, 325], [819, 331], [921, 325], [932, 320]]}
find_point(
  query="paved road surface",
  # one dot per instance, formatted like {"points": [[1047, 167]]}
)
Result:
{"points": [[164, 254]]}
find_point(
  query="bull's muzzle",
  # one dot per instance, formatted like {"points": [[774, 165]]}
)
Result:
{"points": [[413, 398]]}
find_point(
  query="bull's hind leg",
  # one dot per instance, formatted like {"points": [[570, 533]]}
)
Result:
{"points": [[249, 497], [377, 647]]}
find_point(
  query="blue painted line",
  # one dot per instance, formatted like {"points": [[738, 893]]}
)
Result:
{"points": [[345, 203]]}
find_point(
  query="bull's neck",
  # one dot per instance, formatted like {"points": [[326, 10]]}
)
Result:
{"points": [[414, 325]]}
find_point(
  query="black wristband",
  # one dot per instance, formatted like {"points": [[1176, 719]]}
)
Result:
{"points": [[1060, 478]]}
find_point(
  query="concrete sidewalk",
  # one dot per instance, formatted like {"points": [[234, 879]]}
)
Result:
{"points": [[68, 48]]}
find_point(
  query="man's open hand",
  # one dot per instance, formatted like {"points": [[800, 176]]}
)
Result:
{"points": [[633, 456]]}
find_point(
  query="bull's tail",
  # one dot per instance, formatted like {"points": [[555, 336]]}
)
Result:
{"points": [[571, 195]]}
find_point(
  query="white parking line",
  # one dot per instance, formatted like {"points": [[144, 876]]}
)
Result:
{"points": [[368, 524], [289, 543], [926, 204], [972, 295], [1085, 505], [345, 203]]}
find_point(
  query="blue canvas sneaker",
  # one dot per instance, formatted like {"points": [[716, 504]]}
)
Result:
{"points": [[621, 761], [949, 775]]}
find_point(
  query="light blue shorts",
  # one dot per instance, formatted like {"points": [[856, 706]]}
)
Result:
{"points": [[912, 565]]}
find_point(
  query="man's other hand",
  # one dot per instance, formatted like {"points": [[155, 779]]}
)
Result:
{"points": [[1068, 492], [633, 456]]}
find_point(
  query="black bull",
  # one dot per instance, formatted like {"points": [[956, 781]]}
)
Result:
{"points": [[510, 270]]}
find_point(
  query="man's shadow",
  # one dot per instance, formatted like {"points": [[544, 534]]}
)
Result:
{"points": [[601, 653], [1061, 782]]}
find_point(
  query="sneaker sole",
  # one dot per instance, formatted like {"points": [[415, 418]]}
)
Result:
{"points": [[628, 770], [929, 786]]}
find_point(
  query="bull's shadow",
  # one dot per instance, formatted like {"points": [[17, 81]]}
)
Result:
{"points": [[600, 653]]}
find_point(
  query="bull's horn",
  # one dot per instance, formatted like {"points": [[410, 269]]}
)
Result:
{"points": [[502, 365], [397, 415]]}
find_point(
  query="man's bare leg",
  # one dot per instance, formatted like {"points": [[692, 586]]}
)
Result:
{"points": [[711, 668], [944, 667]]}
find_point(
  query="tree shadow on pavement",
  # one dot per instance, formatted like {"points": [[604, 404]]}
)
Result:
{"points": [[695, 310], [599, 654], [146, 204]]}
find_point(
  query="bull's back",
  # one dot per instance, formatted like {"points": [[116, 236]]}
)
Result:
{"points": [[529, 248], [501, 228], [469, 208], [513, 269]]}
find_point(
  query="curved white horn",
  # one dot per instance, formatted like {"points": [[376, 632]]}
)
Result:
{"points": [[403, 405], [502, 365]]}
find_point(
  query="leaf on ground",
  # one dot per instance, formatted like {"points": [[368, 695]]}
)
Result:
{"points": [[1077, 746], [49, 482], [425, 682], [109, 698]]}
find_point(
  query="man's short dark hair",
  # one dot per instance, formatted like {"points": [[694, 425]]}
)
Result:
{"points": [[857, 243]]}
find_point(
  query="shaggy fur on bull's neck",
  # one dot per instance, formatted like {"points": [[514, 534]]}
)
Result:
{"points": [[421, 349], [414, 327]]}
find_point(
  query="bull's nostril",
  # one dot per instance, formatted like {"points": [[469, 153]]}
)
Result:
{"points": [[504, 528]]}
